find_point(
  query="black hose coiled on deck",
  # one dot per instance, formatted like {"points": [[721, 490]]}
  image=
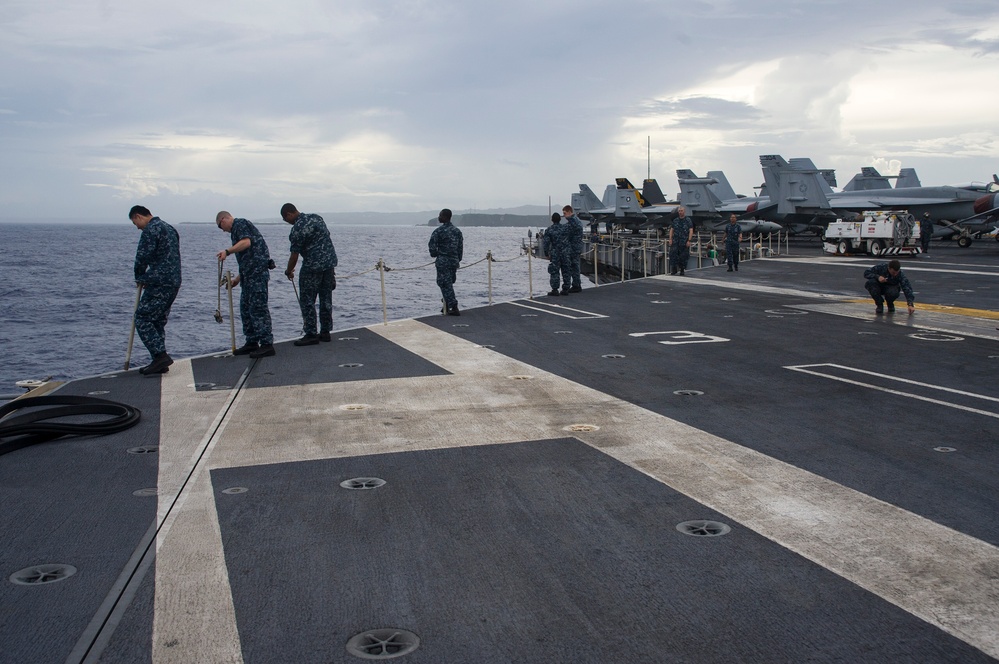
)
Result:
{"points": [[31, 428]]}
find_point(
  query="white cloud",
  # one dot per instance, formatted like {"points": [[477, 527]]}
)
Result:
{"points": [[414, 104]]}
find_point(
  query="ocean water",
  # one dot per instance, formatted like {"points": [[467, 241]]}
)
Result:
{"points": [[67, 291]]}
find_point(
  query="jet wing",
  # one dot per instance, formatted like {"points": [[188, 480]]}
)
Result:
{"points": [[861, 203]]}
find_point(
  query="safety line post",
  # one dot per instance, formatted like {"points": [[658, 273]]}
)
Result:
{"points": [[622, 260], [489, 260], [381, 276], [530, 271], [596, 268]]}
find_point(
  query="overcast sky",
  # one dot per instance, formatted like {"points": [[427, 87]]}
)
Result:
{"points": [[189, 106]]}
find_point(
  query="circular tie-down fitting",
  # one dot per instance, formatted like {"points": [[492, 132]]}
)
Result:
{"points": [[144, 449], [520, 377], [868, 333], [363, 483], [581, 428], [350, 365], [97, 393], [346, 338], [730, 299], [702, 528], [201, 386], [945, 449], [652, 293], [485, 346], [786, 312], [235, 490], [385, 643], [688, 393], [460, 325], [106, 376], [220, 387], [930, 335], [145, 493], [660, 301], [562, 332], [354, 406], [41, 574], [528, 315], [613, 356]]}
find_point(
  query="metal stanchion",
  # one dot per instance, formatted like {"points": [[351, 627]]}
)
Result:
{"points": [[381, 276], [131, 331], [489, 272], [596, 268], [622, 261], [530, 273]]}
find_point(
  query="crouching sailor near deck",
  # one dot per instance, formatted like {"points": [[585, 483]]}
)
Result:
{"points": [[311, 240], [446, 246], [157, 270], [254, 261], [884, 282], [557, 249]]}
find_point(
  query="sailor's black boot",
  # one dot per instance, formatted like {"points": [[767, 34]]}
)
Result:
{"points": [[160, 364], [246, 348], [264, 351]]}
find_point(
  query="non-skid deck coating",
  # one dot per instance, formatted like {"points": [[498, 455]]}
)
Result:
{"points": [[507, 531]]}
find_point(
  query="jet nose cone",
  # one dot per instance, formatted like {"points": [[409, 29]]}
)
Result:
{"points": [[985, 203]]}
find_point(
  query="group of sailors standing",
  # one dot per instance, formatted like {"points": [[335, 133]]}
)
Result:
{"points": [[158, 275]]}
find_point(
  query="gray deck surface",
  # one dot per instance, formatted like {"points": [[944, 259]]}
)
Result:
{"points": [[538, 461]]}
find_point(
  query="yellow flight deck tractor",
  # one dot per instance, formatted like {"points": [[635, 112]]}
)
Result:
{"points": [[879, 233]]}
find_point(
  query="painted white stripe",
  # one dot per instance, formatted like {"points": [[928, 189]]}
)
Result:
{"points": [[537, 306], [808, 369]]}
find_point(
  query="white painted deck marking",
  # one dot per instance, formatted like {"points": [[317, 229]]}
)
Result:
{"points": [[682, 337], [585, 314], [812, 369], [947, 578]]}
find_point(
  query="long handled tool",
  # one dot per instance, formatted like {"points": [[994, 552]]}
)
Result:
{"points": [[232, 321], [131, 331], [298, 299], [218, 307]]}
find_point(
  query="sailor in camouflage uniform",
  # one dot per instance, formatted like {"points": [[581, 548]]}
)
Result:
{"points": [[556, 245], [254, 262], [884, 281], [575, 239], [681, 232], [733, 236], [446, 246], [310, 239], [157, 270]]}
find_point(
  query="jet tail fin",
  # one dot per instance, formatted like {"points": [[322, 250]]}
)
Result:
{"points": [[652, 194], [585, 201], [907, 178], [695, 192], [722, 189], [792, 188], [868, 179]]}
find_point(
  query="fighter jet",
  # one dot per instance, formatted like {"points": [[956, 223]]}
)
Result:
{"points": [[620, 207], [710, 201], [966, 210]]}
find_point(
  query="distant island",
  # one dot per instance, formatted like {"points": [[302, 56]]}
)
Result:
{"points": [[483, 219]]}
